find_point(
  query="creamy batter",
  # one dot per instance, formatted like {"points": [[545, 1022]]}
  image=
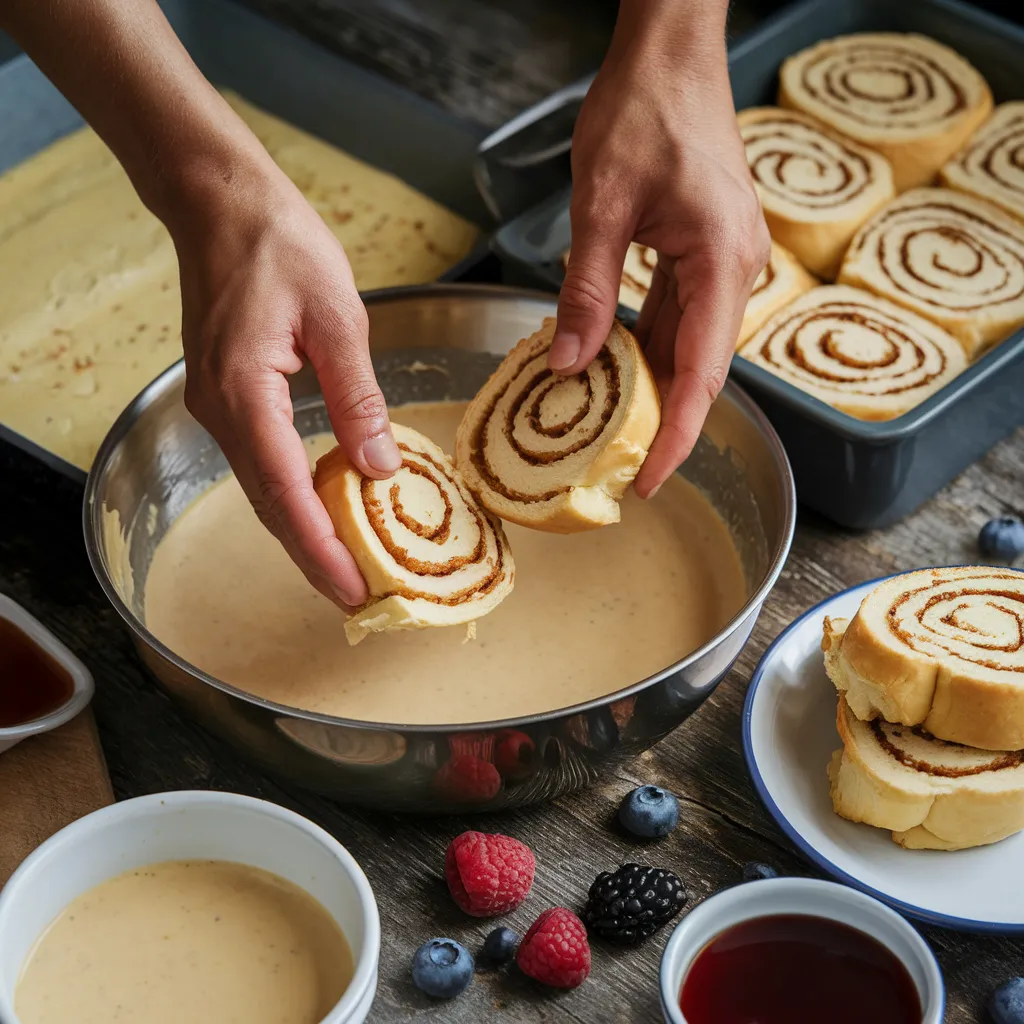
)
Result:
{"points": [[90, 309], [203, 942], [590, 613]]}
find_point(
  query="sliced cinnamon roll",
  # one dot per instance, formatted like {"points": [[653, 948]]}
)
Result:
{"points": [[953, 258], [861, 354], [430, 555], [932, 795], [909, 97], [557, 453], [781, 281], [938, 648], [991, 165], [816, 188]]}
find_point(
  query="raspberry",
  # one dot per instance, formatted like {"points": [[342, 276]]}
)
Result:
{"points": [[555, 950], [488, 874], [514, 754], [467, 779]]}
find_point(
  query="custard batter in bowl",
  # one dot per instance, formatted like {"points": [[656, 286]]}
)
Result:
{"points": [[588, 610], [609, 640]]}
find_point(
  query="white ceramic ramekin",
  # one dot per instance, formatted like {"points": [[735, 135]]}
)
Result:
{"points": [[82, 684], [799, 896], [183, 826]]}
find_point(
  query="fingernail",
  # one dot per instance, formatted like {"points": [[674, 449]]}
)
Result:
{"points": [[351, 599], [564, 352], [381, 453], [654, 490]]}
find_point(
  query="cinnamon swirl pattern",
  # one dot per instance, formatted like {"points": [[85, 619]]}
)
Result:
{"points": [[430, 555], [942, 649], [991, 166], [953, 258], [907, 96], [557, 453], [781, 281], [862, 355], [816, 188]]}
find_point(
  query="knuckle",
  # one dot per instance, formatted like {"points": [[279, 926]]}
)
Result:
{"points": [[582, 291], [361, 400]]}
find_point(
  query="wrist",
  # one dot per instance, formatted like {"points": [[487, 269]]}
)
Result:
{"points": [[685, 37]]}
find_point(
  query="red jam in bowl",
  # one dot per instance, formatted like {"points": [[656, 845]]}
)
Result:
{"points": [[797, 969]]}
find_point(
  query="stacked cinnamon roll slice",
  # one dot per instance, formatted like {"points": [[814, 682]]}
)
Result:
{"points": [[930, 675]]}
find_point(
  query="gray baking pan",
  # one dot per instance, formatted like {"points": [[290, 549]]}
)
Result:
{"points": [[859, 474], [287, 74]]}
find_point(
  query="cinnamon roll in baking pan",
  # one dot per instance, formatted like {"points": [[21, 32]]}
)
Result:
{"points": [[991, 165], [431, 556], [909, 97], [861, 354], [951, 257], [816, 187]]}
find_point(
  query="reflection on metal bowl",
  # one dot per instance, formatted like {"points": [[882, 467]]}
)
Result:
{"points": [[156, 459]]}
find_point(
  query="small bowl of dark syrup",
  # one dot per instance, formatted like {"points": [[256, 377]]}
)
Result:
{"points": [[42, 684], [798, 951]]}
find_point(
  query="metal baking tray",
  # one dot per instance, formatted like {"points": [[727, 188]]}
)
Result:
{"points": [[291, 76], [859, 474]]}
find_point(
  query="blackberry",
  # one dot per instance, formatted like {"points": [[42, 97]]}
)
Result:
{"points": [[631, 904]]}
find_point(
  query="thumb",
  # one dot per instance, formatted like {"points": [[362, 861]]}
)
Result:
{"points": [[340, 355], [590, 292]]}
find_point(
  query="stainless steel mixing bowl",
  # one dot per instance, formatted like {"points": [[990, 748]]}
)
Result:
{"points": [[156, 459]]}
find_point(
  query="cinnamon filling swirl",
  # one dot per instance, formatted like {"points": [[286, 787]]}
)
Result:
{"points": [[916, 748], [475, 550], [854, 348], [980, 622], [884, 85], [795, 161], [540, 418], [945, 255]]}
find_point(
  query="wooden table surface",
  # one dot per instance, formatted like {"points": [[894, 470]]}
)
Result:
{"points": [[150, 746]]}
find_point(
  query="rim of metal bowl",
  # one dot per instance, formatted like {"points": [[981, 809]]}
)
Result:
{"points": [[93, 538]]}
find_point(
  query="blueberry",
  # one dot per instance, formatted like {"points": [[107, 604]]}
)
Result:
{"points": [[1002, 538], [1006, 1004], [442, 968], [754, 871], [500, 945], [649, 811]]}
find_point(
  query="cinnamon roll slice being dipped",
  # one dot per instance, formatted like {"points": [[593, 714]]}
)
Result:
{"points": [[932, 795], [557, 453], [861, 354], [429, 554], [909, 97], [938, 648], [816, 188], [991, 166], [951, 257]]}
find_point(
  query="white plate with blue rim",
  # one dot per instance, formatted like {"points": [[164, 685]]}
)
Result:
{"points": [[789, 735]]}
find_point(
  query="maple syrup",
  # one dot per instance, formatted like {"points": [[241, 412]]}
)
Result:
{"points": [[797, 969], [32, 684]]}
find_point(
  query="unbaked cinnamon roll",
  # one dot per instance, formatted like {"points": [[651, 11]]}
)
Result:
{"points": [[816, 188], [861, 354], [909, 97], [781, 281], [938, 648], [991, 165], [429, 554], [953, 258], [557, 453]]}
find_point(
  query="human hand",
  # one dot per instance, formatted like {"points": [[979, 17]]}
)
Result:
{"points": [[265, 287], [657, 158]]}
